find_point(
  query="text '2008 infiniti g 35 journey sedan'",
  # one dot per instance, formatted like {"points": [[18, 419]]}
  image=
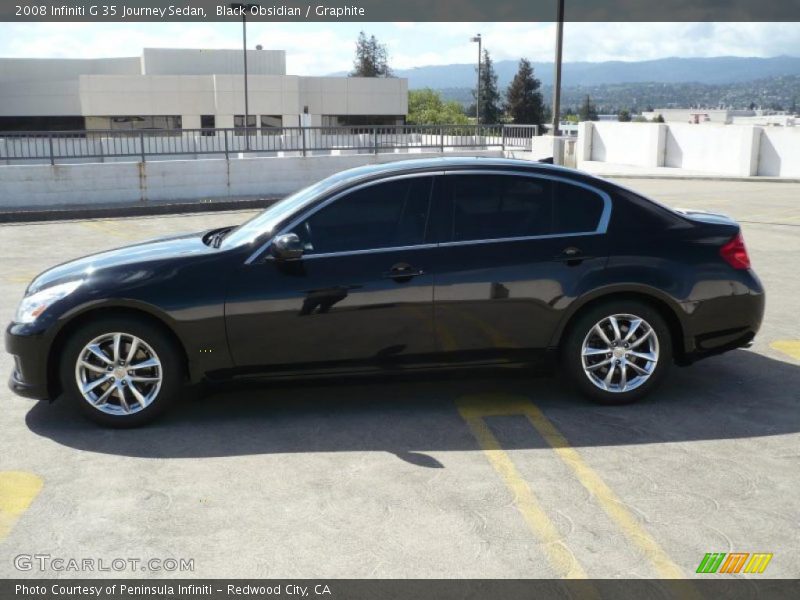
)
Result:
{"points": [[407, 265]]}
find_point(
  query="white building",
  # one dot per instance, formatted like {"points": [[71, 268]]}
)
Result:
{"points": [[188, 89]]}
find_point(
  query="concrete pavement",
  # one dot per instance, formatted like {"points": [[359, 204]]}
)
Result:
{"points": [[476, 475]]}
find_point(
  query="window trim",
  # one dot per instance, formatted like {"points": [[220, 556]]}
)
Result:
{"points": [[426, 246], [602, 224], [310, 211]]}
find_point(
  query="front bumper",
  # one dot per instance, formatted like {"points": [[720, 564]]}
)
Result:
{"points": [[29, 377]]}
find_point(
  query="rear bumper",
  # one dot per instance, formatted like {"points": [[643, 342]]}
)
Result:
{"points": [[733, 341], [29, 376], [726, 322]]}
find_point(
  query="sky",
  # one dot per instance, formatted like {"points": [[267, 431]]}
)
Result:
{"points": [[322, 48]]}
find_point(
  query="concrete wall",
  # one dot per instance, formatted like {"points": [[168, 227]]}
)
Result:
{"points": [[40, 99], [354, 95], [188, 83], [624, 142], [124, 95], [779, 152], [154, 61], [45, 186], [731, 150], [739, 150], [60, 69], [196, 61]]}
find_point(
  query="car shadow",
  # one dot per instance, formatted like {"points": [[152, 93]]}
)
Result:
{"points": [[739, 395]]}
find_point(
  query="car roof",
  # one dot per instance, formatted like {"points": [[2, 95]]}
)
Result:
{"points": [[456, 162]]}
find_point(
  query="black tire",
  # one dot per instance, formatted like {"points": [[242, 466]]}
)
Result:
{"points": [[171, 371], [572, 352]]}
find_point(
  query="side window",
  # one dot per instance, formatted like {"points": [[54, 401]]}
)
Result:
{"points": [[577, 209], [385, 215], [500, 206]]}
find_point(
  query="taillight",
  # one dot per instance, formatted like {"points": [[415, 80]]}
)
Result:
{"points": [[735, 253]]}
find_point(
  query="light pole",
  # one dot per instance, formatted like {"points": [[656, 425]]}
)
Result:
{"points": [[478, 39], [557, 70], [244, 8]]}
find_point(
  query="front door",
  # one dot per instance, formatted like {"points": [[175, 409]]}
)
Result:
{"points": [[361, 294]]}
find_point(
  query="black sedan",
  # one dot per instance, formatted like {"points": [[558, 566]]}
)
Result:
{"points": [[425, 264]]}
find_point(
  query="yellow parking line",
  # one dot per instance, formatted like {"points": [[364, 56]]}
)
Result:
{"points": [[22, 277], [608, 500], [113, 228], [560, 557], [497, 337], [446, 337], [475, 408], [790, 347], [17, 491]]}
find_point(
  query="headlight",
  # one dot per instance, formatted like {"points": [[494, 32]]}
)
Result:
{"points": [[34, 305]]}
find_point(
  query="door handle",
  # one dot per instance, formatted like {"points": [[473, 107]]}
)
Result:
{"points": [[572, 256], [402, 272]]}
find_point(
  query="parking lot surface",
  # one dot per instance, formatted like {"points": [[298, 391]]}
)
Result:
{"points": [[480, 475]]}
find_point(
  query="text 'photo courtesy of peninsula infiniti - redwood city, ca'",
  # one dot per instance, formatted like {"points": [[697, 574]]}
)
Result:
{"points": [[397, 266]]}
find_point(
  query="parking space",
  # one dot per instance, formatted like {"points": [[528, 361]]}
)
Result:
{"points": [[471, 475]]}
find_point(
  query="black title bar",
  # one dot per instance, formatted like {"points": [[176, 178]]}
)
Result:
{"points": [[401, 10], [387, 589]]}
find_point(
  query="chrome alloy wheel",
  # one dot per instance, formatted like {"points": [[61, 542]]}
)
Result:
{"points": [[118, 373], [620, 353]]}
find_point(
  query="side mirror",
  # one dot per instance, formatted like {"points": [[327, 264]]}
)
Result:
{"points": [[287, 247]]}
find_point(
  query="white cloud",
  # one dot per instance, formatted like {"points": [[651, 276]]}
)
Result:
{"points": [[319, 48]]}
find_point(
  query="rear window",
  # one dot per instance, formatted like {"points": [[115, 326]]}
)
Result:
{"points": [[636, 213], [577, 209], [487, 207]]}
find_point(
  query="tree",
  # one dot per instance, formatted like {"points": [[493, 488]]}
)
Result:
{"points": [[372, 58], [523, 99], [426, 107], [588, 111], [624, 116], [490, 97], [659, 118]]}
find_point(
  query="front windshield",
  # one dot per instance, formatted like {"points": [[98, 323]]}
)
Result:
{"points": [[262, 224]]}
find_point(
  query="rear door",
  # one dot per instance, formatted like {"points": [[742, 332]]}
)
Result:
{"points": [[515, 249]]}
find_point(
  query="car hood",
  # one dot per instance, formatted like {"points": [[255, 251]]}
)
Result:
{"points": [[139, 255]]}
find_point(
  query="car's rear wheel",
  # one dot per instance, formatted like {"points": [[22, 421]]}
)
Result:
{"points": [[618, 351], [121, 372]]}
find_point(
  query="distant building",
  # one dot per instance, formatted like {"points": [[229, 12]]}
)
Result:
{"points": [[698, 115], [690, 115], [725, 116], [188, 89], [774, 120]]}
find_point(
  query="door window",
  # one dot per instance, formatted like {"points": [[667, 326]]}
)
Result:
{"points": [[500, 206], [490, 207], [386, 215]]}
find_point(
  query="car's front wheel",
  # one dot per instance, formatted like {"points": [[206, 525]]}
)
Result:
{"points": [[121, 371], [616, 352]]}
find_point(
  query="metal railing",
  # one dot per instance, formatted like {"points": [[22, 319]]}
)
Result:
{"points": [[143, 145]]}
